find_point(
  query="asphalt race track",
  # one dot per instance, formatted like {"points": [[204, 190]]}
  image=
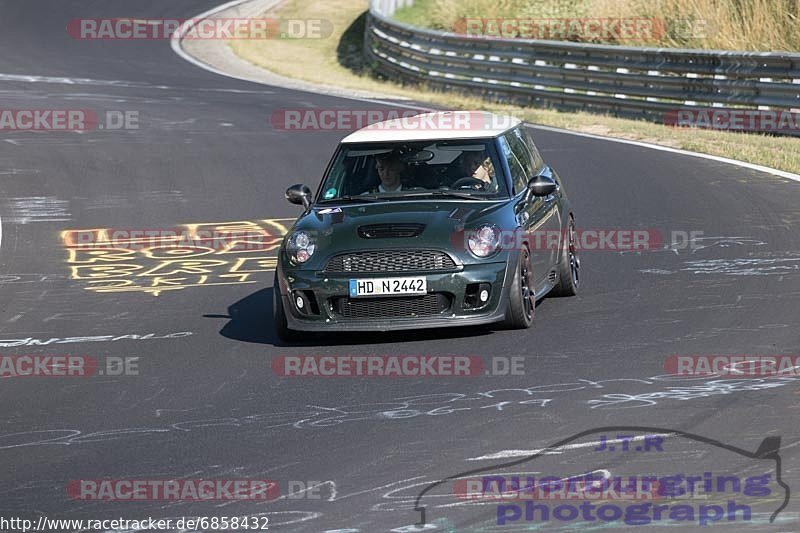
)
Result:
{"points": [[205, 403]]}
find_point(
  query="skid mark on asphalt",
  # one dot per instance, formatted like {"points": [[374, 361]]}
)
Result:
{"points": [[119, 201], [18, 171], [785, 263], [153, 261], [746, 266], [25, 210], [695, 244]]}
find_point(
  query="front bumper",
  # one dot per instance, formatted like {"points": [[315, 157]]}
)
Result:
{"points": [[327, 288]]}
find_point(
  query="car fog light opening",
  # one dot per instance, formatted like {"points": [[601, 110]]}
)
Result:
{"points": [[477, 295], [305, 302]]}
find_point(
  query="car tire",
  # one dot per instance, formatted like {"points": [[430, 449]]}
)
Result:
{"points": [[522, 303], [569, 266], [281, 325]]}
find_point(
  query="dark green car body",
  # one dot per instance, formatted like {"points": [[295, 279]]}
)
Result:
{"points": [[425, 236]]}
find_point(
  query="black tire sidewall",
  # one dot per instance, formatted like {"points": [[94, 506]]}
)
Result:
{"points": [[566, 283], [516, 317]]}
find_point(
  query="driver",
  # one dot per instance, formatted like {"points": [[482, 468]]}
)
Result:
{"points": [[390, 170], [478, 165]]}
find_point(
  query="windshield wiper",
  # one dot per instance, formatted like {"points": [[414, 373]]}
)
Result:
{"points": [[441, 192], [358, 198]]}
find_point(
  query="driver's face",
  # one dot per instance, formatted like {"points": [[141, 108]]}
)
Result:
{"points": [[389, 171], [472, 161], [473, 166]]}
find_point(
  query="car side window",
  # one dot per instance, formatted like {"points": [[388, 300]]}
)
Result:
{"points": [[538, 161], [519, 159]]}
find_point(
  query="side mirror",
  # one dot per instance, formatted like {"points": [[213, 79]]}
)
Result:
{"points": [[299, 194], [543, 184]]}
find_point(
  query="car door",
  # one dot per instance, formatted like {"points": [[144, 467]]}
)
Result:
{"points": [[537, 216], [551, 203]]}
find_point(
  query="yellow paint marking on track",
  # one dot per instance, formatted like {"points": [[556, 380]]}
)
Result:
{"points": [[203, 254]]}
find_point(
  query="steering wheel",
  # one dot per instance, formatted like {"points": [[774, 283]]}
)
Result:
{"points": [[470, 182]]}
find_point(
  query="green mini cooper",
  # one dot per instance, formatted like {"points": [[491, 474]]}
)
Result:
{"points": [[450, 219]]}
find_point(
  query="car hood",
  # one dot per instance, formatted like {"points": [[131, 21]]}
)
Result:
{"points": [[339, 229]]}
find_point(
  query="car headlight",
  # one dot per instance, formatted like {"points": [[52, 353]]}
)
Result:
{"points": [[300, 247], [484, 241]]}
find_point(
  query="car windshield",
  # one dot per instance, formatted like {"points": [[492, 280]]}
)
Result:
{"points": [[466, 169]]}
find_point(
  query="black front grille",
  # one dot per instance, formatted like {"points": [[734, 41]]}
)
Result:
{"points": [[392, 307], [391, 261], [390, 231]]}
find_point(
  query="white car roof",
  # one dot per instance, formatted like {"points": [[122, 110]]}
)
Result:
{"points": [[439, 125]]}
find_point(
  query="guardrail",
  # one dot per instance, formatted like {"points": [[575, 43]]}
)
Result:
{"points": [[388, 7], [652, 83]]}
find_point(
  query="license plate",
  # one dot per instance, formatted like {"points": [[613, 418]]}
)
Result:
{"points": [[387, 286]]}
